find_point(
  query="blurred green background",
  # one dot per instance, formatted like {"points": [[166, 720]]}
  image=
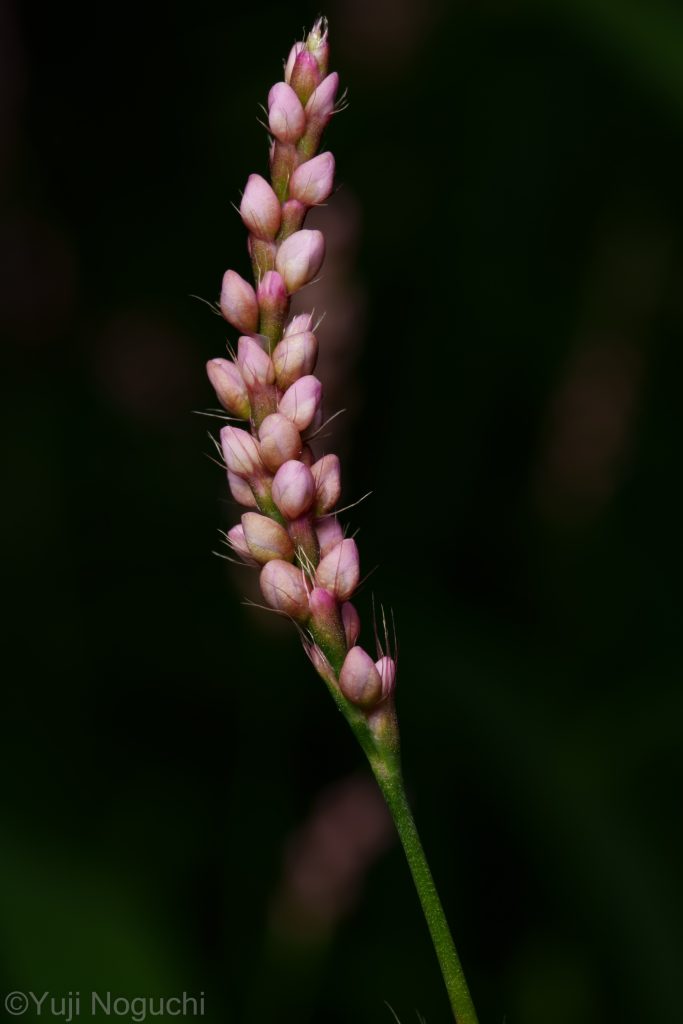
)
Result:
{"points": [[183, 810]]}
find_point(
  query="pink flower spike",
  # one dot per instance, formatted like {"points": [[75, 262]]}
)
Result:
{"points": [[299, 324], [359, 680], [256, 366], [286, 117], [312, 181], [228, 383], [387, 669], [266, 539], [293, 489], [351, 620], [284, 589], [339, 571], [301, 401], [294, 357], [293, 54], [299, 258], [260, 208], [240, 452], [241, 491], [237, 542], [327, 475], [329, 533], [238, 302], [279, 441]]}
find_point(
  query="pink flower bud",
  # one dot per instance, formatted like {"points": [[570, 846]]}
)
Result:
{"points": [[255, 364], [293, 214], [329, 533], [237, 542], [320, 106], [301, 400], [359, 680], [312, 181], [293, 54], [293, 489], [271, 296], [266, 539], [241, 491], [238, 302], [327, 475], [240, 452], [294, 357], [351, 621], [326, 623], [299, 324], [284, 588], [387, 671], [260, 208], [279, 440], [305, 76], [286, 116], [299, 258], [317, 44], [229, 386], [339, 571]]}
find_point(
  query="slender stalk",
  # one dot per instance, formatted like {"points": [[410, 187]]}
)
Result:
{"points": [[391, 784]]}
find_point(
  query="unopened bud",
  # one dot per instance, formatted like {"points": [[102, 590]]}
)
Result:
{"points": [[327, 475], [279, 440], [266, 539], [293, 489], [305, 76], [351, 621], [339, 571], [301, 401], [299, 258], [237, 542], [238, 302], [312, 181], [299, 324], [273, 303], [320, 106], [329, 533], [228, 383], [255, 364], [359, 680], [286, 117], [240, 452], [317, 44], [294, 357], [241, 491], [293, 214], [284, 589], [260, 208], [293, 54], [326, 623], [387, 670]]}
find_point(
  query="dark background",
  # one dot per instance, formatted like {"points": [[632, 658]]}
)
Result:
{"points": [[183, 809]]}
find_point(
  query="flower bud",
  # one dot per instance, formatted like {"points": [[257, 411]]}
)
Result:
{"points": [[294, 357], [301, 400], [299, 258], [293, 489], [312, 181], [273, 303], [240, 452], [320, 106], [286, 116], [327, 475], [329, 533], [299, 324], [351, 621], [237, 542], [279, 440], [293, 214], [305, 76], [359, 680], [317, 44], [284, 589], [326, 623], [339, 571], [241, 491], [255, 364], [293, 54], [260, 208], [387, 670], [229, 386], [266, 539], [238, 302]]}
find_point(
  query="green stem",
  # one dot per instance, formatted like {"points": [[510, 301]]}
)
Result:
{"points": [[391, 784]]}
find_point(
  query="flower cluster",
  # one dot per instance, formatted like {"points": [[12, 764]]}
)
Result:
{"points": [[309, 568]]}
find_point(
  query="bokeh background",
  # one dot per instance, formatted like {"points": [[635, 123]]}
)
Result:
{"points": [[183, 810]]}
